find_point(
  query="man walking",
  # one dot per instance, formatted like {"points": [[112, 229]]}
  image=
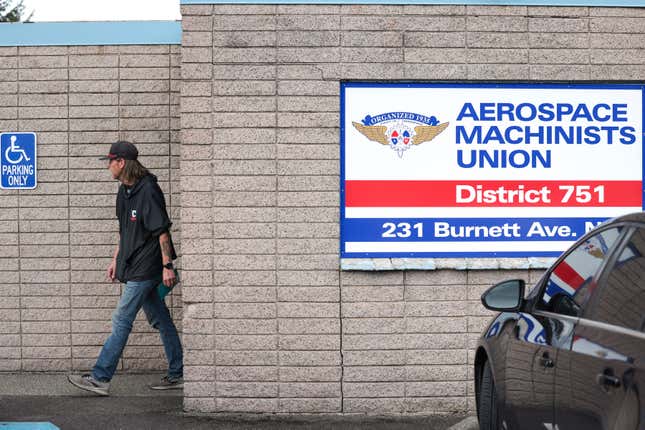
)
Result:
{"points": [[142, 260]]}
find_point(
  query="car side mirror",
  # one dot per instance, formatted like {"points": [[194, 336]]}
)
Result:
{"points": [[506, 296]]}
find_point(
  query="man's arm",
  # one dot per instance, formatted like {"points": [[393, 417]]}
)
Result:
{"points": [[169, 277], [111, 270]]}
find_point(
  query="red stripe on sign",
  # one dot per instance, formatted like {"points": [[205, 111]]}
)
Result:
{"points": [[568, 274], [493, 193]]}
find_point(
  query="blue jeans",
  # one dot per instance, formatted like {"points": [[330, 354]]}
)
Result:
{"points": [[138, 294]]}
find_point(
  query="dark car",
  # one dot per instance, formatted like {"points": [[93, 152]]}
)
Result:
{"points": [[571, 355]]}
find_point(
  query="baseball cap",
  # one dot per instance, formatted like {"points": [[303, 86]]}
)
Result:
{"points": [[122, 149]]}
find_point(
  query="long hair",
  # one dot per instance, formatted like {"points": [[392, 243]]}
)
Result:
{"points": [[133, 171]]}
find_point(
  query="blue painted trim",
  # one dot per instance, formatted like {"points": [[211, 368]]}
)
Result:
{"points": [[27, 426], [91, 33], [592, 3]]}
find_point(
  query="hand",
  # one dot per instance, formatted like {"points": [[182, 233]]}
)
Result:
{"points": [[111, 271], [169, 277]]}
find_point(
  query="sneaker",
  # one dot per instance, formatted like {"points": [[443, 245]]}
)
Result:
{"points": [[169, 383], [88, 383]]}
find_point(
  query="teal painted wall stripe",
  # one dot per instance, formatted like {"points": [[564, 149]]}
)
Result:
{"points": [[27, 426], [91, 33], [592, 3]]}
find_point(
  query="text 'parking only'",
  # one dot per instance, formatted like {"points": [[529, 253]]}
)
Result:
{"points": [[18, 161]]}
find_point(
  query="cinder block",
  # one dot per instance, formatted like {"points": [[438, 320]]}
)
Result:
{"points": [[144, 99], [437, 309], [438, 292], [373, 23], [144, 73], [563, 72], [93, 112], [246, 21], [97, 60], [246, 342], [496, 10], [301, 167], [308, 38], [498, 71], [93, 73], [558, 56], [435, 55], [376, 38], [301, 88], [42, 74], [558, 25], [238, 9], [90, 86], [244, 326], [143, 86], [8, 51], [242, 39], [558, 11], [249, 88], [314, 183], [48, 87], [246, 71], [197, 23], [319, 71], [308, 230], [441, 404], [144, 49], [308, 246], [437, 373], [308, 55], [197, 55], [194, 9], [244, 405], [498, 23], [300, 135], [197, 38], [93, 50], [38, 62], [100, 99], [373, 325]]}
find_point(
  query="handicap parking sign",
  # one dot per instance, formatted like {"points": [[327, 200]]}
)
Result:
{"points": [[18, 161]]}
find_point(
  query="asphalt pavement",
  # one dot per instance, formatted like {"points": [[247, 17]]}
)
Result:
{"points": [[49, 398]]}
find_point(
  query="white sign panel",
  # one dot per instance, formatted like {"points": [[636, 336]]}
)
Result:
{"points": [[465, 170]]}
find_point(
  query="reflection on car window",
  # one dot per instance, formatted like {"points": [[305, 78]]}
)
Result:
{"points": [[621, 298], [570, 282]]}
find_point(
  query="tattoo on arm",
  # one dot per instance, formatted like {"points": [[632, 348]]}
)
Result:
{"points": [[166, 250]]}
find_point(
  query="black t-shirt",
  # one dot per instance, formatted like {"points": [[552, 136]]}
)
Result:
{"points": [[141, 211]]}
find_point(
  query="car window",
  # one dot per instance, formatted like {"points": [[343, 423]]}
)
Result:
{"points": [[621, 295], [570, 282]]}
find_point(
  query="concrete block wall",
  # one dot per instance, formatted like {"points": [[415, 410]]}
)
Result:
{"points": [[56, 304], [271, 324]]}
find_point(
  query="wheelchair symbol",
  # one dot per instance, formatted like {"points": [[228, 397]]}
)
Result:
{"points": [[15, 149]]}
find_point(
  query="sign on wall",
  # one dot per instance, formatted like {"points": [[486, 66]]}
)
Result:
{"points": [[485, 170], [18, 161]]}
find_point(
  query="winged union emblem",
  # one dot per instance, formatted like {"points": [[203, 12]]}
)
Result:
{"points": [[400, 130]]}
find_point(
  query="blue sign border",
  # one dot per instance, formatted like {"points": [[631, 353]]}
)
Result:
{"points": [[589, 3], [90, 33], [362, 84], [35, 160]]}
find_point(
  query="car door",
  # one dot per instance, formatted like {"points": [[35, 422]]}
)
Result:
{"points": [[540, 334], [608, 348]]}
